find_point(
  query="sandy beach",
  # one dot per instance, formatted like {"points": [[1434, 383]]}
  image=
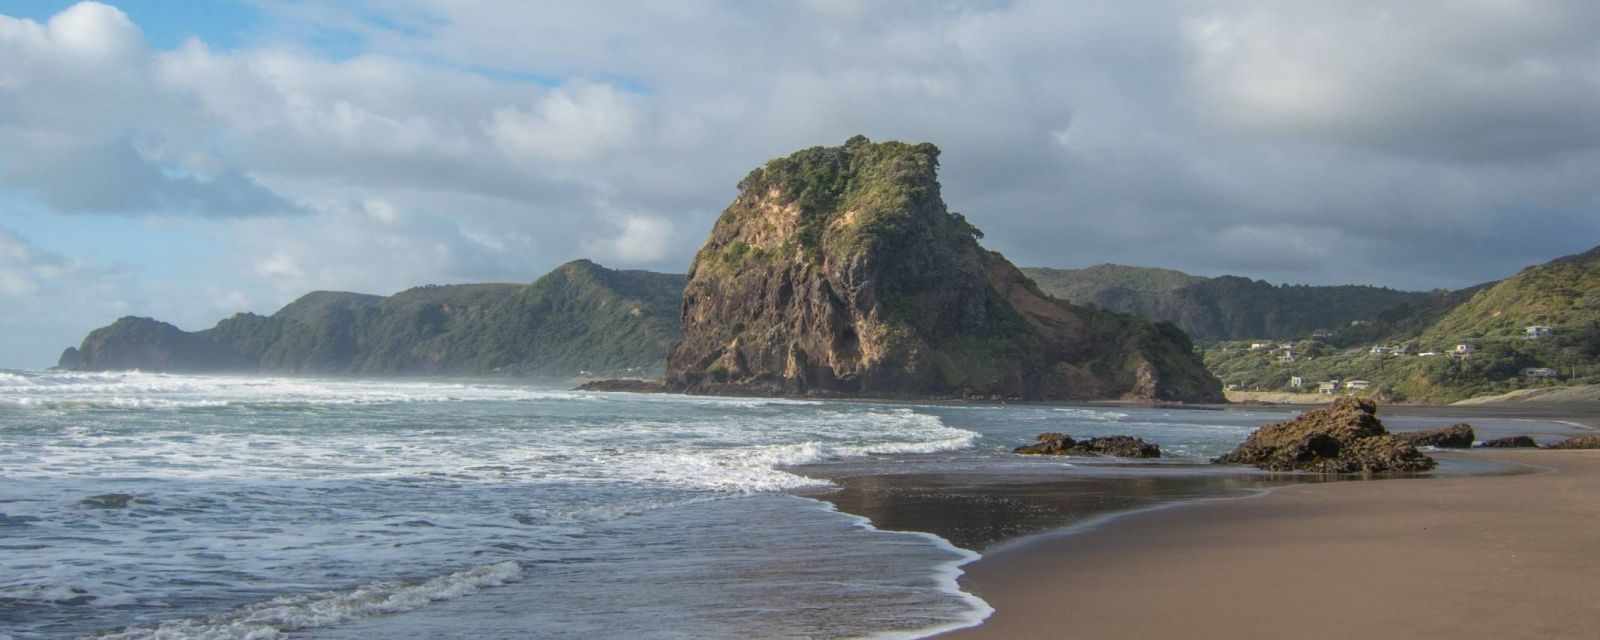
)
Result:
{"points": [[1499, 556]]}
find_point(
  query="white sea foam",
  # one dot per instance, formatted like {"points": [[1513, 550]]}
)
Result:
{"points": [[1098, 415], [279, 481], [719, 444], [270, 619], [139, 390], [947, 575]]}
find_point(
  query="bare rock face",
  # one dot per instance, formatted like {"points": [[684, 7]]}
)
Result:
{"points": [[839, 271], [1060, 444], [1511, 442], [1456, 436], [1344, 437], [1578, 442]]}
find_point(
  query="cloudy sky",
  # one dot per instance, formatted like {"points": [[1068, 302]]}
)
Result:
{"points": [[190, 165]]}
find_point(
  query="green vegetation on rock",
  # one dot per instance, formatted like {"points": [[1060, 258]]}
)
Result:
{"points": [[839, 270]]}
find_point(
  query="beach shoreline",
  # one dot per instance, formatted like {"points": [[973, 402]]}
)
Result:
{"points": [[1470, 556]]}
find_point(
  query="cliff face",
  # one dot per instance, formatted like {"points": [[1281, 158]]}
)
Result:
{"points": [[840, 271], [579, 318]]}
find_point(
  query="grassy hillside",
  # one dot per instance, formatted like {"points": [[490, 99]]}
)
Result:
{"points": [[1563, 294]]}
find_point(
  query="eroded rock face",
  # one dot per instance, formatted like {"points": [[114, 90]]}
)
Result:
{"points": [[1578, 442], [1511, 442], [1456, 436], [839, 271], [1344, 437], [1060, 444]]}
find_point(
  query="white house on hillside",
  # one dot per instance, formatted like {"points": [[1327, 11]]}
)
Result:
{"points": [[1357, 385], [1536, 331]]}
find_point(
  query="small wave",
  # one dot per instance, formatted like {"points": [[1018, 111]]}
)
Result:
{"points": [[1092, 414], [137, 390], [271, 619]]}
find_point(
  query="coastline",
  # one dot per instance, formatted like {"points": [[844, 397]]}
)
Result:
{"points": [[1475, 556]]}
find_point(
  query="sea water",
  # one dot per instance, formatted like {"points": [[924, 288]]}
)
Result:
{"points": [[139, 505]]}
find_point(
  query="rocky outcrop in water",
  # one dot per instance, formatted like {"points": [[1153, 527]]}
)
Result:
{"points": [[1578, 442], [839, 271], [624, 384], [1511, 442], [1456, 436], [1061, 444], [1344, 437]]}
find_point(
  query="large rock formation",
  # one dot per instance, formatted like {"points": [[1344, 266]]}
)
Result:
{"points": [[840, 271], [580, 318], [1456, 436], [1344, 437]]}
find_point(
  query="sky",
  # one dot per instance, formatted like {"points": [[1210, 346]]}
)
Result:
{"points": [[189, 161]]}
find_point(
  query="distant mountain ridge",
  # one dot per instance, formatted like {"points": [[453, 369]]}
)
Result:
{"points": [[1225, 307], [579, 318]]}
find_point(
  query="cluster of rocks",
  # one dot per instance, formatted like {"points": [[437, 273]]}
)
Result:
{"points": [[1460, 436], [1578, 442], [1511, 442], [1061, 444], [1344, 437], [1456, 436]]}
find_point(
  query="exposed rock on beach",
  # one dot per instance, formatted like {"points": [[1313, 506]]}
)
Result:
{"points": [[1456, 436], [1344, 437]]}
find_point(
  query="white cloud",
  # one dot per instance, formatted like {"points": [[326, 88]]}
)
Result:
{"points": [[280, 266], [567, 124], [1448, 142], [95, 30], [638, 239]]}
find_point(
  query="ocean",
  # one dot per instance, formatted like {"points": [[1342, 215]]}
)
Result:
{"points": [[141, 505]]}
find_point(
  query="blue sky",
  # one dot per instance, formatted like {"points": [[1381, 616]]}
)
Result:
{"points": [[221, 23], [188, 161]]}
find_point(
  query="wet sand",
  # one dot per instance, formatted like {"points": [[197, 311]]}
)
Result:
{"points": [[1494, 556]]}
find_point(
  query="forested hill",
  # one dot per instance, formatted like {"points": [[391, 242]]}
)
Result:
{"points": [[579, 318], [1226, 307]]}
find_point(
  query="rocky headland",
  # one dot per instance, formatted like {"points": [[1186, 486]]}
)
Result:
{"points": [[840, 271]]}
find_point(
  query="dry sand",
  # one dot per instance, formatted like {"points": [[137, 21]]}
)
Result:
{"points": [[1511, 556]]}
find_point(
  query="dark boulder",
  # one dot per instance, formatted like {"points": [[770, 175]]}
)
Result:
{"points": [[1578, 442], [1344, 437], [1511, 442], [1456, 436], [623, 384], [1060, 444]]}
